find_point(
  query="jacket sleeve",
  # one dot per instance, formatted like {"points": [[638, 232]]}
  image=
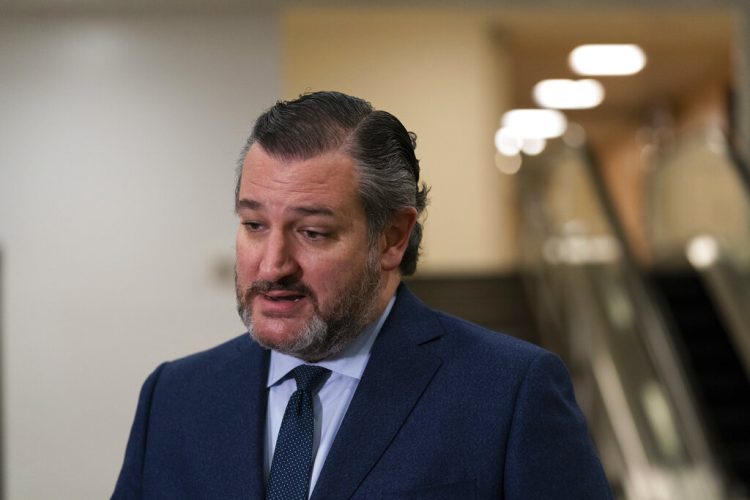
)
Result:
{"points": [[128, 485], [550, 453]]}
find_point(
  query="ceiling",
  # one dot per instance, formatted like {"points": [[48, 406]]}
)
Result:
{"points": [[685, 51]]}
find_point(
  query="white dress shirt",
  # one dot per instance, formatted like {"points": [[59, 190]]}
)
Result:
{"points": [[332, 399]]}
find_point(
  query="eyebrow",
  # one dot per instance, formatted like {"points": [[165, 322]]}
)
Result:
{"points": [[249, 204], [304, 210]]}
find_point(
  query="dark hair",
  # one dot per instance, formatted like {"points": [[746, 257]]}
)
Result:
{"points": [[382, 150]]}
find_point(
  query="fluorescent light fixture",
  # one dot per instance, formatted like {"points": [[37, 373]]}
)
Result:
{"points": [[510, 144], [568, 94], [533, 146], [607, 59], [506, 143], [535, 123]]}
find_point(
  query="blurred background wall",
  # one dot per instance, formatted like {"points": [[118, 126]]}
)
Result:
{"points": [[442, 74], [118, 140], [119, 134]]}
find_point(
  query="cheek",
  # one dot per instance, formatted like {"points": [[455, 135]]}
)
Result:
{"points": [[244, 262], [331, 277]]}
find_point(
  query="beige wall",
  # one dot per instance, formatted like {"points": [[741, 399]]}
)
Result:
{"points": [[438, 72]]}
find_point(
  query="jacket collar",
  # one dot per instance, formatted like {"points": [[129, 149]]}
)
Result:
{"points": [[399, 371]]}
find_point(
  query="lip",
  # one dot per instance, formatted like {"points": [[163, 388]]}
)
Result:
{"points": [[281, 294], [280, 303]]}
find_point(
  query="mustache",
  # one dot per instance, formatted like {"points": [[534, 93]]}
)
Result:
{"points": [[263, 286]]}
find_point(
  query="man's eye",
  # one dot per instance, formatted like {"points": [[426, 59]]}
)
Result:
{"points": [[313, 235], [252, 225]]}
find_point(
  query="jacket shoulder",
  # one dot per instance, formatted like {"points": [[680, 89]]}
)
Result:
{"points": [[204, 367], [461, 342], [483, 337], [215, 355]]}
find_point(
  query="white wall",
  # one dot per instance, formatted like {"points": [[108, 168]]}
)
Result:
{"points": [[118, 137]]}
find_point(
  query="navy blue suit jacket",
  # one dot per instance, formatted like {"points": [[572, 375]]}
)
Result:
{"points": [[445, 410]]}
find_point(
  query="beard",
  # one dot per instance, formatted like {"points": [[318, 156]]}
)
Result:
{"points": [[326, 333]]}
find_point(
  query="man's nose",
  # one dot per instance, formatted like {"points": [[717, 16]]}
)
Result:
{"points": [[278, 260]]}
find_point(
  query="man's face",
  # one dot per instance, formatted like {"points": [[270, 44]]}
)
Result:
{"points": [[307, 280]]}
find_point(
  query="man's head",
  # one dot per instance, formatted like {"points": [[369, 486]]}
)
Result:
{"points": [[328, 196], [382, 150]]}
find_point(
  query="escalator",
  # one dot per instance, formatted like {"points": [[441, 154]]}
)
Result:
{"points": [[699, 191], [663, 346], [715, 370]]}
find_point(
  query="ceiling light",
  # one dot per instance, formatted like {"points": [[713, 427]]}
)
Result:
{"points": [[535, 123], [607, 59], [568, 94], [507, 143], [533, 146]]}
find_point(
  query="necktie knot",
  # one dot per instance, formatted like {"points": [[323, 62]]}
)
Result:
{"points": [[309, 377]]}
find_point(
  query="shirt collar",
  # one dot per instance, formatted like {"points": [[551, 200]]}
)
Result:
{"points": [[350, 362]]}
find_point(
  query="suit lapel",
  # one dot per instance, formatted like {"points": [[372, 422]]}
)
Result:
{"points": [[246, 377], [398, 372]]}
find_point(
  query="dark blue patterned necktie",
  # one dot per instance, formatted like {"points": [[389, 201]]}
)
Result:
{"points": [[293, 457]]}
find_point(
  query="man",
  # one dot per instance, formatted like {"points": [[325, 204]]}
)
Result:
{"points": [[347, 386]]}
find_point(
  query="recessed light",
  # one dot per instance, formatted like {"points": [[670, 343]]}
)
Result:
{"points": [[507, 143], [607, 59], [568, 94], [535, 123]]}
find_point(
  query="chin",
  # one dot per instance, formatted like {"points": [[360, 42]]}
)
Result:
{"points": [[275, 334]]}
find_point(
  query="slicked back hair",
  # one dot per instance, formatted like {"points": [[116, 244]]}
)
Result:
{"points": [[382, 150]]}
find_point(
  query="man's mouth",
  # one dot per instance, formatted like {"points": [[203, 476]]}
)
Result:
{"points": [[283, 297], [278, 296]]}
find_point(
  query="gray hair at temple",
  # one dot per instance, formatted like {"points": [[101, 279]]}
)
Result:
{"points": [[379, 144]]}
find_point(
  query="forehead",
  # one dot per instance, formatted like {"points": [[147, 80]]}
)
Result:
{"points": [[331, 176]]}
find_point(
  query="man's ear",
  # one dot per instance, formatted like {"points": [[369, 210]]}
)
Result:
{"points": [[395, 238]]}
